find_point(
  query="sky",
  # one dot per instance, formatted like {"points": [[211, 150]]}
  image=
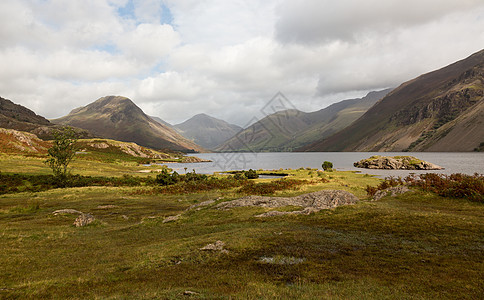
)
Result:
{"points": [[225, 58]]}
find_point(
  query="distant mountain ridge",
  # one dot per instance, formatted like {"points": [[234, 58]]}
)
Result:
{"points": [[439, 111], [207, 131], [290, 129], [117, 117]]}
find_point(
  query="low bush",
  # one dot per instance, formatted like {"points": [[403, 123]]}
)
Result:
{"points": [[388, 182], [14, 183], [455, 185], [200, 183], [266, 188]]}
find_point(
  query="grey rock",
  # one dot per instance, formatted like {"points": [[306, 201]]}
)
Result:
{"points": [[198, 206], [171, 218], [217, 246], [67, 211], [392, 191], [83, 220], [310, 203]]}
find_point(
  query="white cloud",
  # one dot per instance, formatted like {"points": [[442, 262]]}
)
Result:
{"points": [[148, 42], [313, 21]]}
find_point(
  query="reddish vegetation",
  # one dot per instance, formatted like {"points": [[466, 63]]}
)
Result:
{"points": [[456, 185]]}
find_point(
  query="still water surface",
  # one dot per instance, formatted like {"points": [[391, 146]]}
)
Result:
{"points": [[461, 162]]}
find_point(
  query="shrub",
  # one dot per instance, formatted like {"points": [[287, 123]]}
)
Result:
{"points": [[266, 188], [251, 174], [455, 185], [327, 166], [165, 178]]}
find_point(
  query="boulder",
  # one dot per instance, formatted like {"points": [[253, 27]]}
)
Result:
{"points": [[83, 220]]}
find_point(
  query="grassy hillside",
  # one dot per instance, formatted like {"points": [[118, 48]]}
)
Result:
{"points": [[413, 246], [24, 152]]}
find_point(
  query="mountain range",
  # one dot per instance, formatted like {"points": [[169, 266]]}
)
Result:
{"points": [[118, 118], [439, 111], [290, 129], [207, 131]]}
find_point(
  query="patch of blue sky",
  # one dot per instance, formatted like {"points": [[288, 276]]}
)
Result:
{"points": [[128, 12], [166, 16], [108, 47]]}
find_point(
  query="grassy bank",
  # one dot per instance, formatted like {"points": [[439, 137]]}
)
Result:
{"points": [[414, 246]]}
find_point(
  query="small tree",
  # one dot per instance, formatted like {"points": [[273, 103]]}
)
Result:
{"points": [[327, 166], [62, 151]]}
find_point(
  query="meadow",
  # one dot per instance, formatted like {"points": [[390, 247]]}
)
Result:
{"points": [[417, 245]]}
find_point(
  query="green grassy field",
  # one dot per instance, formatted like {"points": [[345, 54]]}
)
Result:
{"points": [[413, 246]]}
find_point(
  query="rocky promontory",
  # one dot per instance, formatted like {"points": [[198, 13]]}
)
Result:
{"points": [[396, 163]]}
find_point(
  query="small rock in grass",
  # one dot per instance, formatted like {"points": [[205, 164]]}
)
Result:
{"points": [[67, 211], [171, 218], [217, 246], [190, 293], [83, 220]]}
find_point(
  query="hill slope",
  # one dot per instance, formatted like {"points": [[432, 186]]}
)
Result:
{"points": [[207, 131], [118, 118], [290, 129], [439, 111], [18, 117]]}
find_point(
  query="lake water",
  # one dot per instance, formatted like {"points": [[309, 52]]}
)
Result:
{"points": [[462, 162]]}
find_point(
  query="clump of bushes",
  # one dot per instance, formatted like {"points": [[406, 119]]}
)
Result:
{"points": [[251, 174], [455, 185], [266, 188], [14, 183]]}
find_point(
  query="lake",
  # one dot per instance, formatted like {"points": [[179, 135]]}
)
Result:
{"points": [[461, 162]]}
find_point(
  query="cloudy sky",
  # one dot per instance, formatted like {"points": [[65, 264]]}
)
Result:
{"points": [[226, 58]]}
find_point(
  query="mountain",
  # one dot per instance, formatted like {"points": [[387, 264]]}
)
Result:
{"points": [[439, 111], [18, 117], [161, 121], [118, 118], [290, 129], [207, 131]]}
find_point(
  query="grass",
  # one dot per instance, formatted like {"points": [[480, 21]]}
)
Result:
{"points": [[414, 246]]}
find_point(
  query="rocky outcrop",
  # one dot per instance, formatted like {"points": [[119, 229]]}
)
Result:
{"points": [[82, 220], [13, 141], [217, 246], [392, 191], [312, 202], [395, 163]]}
